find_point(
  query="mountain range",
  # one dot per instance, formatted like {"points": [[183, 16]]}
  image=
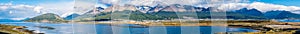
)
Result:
{"points": [[281, 15], [177, 8], [72, 16], [175, 11]]}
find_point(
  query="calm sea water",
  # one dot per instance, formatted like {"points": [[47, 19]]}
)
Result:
{"points": [[123, 29], [298, 20]]}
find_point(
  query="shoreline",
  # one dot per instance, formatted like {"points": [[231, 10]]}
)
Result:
{"points": [[11, 29]]}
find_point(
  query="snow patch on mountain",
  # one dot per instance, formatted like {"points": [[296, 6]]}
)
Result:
{"points": [[263, 7]]}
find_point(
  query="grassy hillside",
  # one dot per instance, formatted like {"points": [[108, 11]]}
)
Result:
{"points": [[48, 17], [130, 15]]}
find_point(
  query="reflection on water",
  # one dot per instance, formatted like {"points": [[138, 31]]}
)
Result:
{"points": [[107, 29]]}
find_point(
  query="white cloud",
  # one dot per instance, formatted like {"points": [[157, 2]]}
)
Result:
{"points": [[82, 6], [13, 18], [17, 11], [60, 8], [267, 7], [17, 18], [25, 11], [3, 7], [38, 9], [5, 3], [10, 12], [258, 5], [233, 6], [66, 8], [168, 2], [16, 7]]}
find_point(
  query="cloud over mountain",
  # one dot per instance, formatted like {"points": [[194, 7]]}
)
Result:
{"points": [[16, 11], [13, 10], [221, 4], [168, 2], [258, 5]]}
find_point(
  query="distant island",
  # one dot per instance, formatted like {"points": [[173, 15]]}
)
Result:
{"points": [[48, 17]]}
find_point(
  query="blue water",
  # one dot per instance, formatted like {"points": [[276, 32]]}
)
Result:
{"points": [[123, 29], [289, 20]]}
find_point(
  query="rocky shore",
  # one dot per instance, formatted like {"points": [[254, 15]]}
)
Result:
{"points": [[11, 29]]}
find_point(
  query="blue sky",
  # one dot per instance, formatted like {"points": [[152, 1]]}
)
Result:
{"points": [[281, 2]]}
